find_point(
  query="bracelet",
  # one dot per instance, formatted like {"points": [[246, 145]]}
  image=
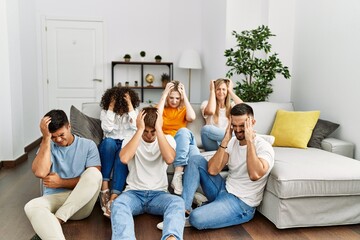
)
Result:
{"points": [[222, 147]]}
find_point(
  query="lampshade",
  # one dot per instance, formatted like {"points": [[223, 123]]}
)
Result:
{"points": [[190, 59]]}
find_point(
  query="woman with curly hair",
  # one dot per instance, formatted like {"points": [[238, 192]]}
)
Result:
{"points": [[176, 110], [118, 120], [216, 112]]}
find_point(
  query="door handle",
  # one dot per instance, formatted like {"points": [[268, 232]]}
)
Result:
{"points": [[97, 80]]}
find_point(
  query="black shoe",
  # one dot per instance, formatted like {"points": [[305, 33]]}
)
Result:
{"points": [[35, 237]]}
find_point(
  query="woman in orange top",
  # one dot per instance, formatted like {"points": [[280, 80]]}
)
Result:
{"points": [[176, 110]]}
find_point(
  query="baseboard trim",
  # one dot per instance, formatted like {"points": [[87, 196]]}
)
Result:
{"points": [[23, 157], [33, 145], [14, 163]]}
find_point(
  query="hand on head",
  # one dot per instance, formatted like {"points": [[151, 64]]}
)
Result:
{"points": [[231, 85], [182, 90], [159, 122], [44, 127], [249, 131], [140, 124]]}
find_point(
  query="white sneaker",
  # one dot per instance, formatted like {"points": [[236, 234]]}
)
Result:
{"points": [[176, 183], [199, 199], [104, 198], [160, 225], [187, 223]]}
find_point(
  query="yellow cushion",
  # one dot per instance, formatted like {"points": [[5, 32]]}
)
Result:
{"points": [[294, 128]]}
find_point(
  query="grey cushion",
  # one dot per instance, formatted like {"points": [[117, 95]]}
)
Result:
{"points": [[85, 126], [321, 131]]}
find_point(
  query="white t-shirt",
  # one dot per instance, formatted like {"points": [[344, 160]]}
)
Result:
{"points": [[238, 181], [209, 119], [147, 170], [116, 126]]}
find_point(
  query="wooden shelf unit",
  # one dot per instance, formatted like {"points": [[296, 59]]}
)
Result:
{"points": [[142, 87]]}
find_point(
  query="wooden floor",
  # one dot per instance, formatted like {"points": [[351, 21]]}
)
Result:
{"points": [[18, 186]]}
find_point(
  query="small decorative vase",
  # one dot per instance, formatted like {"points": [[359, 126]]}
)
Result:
{"points": [[127, 59]]}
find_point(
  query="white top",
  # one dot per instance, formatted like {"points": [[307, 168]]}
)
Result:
{"points": [[209, 119], [147, 170], [116, 126], [238, 181]]}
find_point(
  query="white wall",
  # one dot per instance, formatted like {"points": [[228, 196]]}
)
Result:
{"points": [[317, 39], [12, 131], [326, 63]]}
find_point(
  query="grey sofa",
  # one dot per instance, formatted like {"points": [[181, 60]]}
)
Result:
{"points": [[307, 187]]}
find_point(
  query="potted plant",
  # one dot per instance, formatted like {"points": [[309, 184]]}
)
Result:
{"points": [[258, 72], [142, 55], [127, 57], [158, 58], [165, 78]]}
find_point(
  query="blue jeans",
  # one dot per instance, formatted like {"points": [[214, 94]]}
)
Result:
{"points": [[109, 149], [185, 147], [223, 209], [136, 202], [211, 137]]}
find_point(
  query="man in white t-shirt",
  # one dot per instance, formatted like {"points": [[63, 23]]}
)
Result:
{"points": [[233, 200], [147, 154]]}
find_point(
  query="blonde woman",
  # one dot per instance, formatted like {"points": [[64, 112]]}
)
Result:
{"points": [[177, 111], [216, 112]]}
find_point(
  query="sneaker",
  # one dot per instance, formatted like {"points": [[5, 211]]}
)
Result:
{"points": [[104, 199], [199, 199], [187, 223], [160, 225], [107, 212], [35, 237], [176, 183]]}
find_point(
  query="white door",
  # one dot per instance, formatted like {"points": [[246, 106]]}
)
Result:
{"points": [[75, 63]]}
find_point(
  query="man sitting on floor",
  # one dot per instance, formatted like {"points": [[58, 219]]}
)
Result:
{"points": [[148, 154], [69, 167], [249, 158]]}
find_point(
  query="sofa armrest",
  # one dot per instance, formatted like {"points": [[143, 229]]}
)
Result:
{"points": [[338, 146]]}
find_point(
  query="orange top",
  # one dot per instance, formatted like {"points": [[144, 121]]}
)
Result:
{"points": [[173, 120]]}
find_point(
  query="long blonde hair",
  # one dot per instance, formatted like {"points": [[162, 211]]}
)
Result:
{"points": [[217, 83], [175, 89]]}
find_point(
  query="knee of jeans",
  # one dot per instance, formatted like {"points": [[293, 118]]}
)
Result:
{"points": [[178, 203], [197, 160], [196, 220], [183, 131], [205, 129]]}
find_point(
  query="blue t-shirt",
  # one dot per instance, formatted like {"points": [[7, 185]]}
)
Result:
{"points": [[71, 161]]}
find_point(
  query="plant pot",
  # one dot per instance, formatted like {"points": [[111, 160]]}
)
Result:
{"points": [[164, 83], [127, 59], [157, 60]]}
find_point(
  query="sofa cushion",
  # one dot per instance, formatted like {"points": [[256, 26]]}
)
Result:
{"points": [[321, 131], [313, 172], [85, 126], [294, 129]]}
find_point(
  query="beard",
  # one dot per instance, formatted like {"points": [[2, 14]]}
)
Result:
{"points": [[240, 135]]}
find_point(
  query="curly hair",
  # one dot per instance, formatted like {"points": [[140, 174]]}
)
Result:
{"points": [[118, 94]]}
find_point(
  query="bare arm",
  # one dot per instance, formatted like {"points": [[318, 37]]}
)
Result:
{"points": [[211, 106], [220, 158], [127, 153], [167, 151], [233, 96], [190, 113], [164, 96], [42, 162], [256, 166]]}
